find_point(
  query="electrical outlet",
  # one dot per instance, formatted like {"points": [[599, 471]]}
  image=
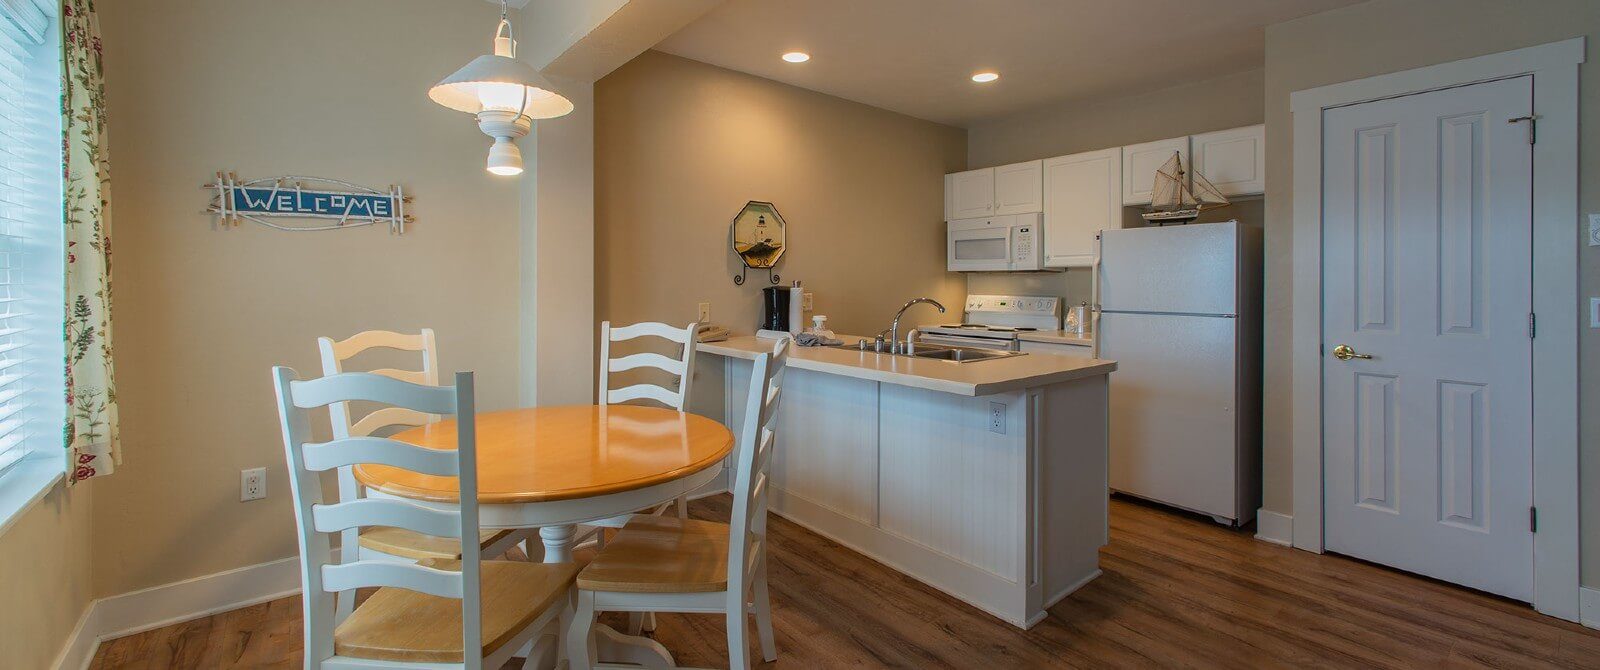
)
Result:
{"points": [[1594, 312], [704, 313], [252, 484], [1594, 230], [997, 417], [805, 301]]}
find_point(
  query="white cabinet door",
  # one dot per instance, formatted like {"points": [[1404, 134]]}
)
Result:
{"points": [[1017, 188], [1139, 164], [969, 195], [1235, 161], [1072, 350], [1082, 196]]}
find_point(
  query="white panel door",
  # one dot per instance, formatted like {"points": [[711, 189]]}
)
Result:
{"points": [[1082, 196], [1017, 189], [1139, 164], [969, 195], [1427, 269], [1234, 160], [1174, 422]]}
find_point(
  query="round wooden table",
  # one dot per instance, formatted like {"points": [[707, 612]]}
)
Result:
{"points": [[554, 467]]}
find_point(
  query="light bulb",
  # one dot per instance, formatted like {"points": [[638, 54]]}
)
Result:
{"points": [[505, 158], [500, 96]]}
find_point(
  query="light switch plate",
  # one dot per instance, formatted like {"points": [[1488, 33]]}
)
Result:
{"points": [[1594, 312], [805, 301], [1594, 230], [704, 314]]}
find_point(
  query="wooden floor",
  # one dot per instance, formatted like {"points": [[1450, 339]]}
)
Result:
{"points": [[1178, 591]]}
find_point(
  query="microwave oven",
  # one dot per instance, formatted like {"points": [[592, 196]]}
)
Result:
{"points": [[1008, 243]]}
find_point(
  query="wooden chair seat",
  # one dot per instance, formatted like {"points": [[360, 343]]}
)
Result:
{"points": [[416, 546], [400, 625], [657, 554]]}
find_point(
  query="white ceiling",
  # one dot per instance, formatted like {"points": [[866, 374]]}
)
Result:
{"points": [[917, 56]]}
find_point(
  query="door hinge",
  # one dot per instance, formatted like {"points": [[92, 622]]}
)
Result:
{"points": [[1533, 326], [1533, 126], [1533, 519]]}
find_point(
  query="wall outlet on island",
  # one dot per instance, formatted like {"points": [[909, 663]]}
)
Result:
{"points": [[704, 315], [997, 417], [252, 484]]}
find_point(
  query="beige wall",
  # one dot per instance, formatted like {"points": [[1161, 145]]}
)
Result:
{"points": [[1225, 102], [680, 146], [1388, 36], [264, 88], [45, 581]]}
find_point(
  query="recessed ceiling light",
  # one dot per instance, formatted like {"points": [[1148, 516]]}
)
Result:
{"points": [[797, 56], [985, 77]]}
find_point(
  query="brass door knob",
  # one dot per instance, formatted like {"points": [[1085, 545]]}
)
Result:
{"points": [[1343, 352]]}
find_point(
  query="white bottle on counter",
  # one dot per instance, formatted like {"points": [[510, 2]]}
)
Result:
{"points": [[797, 317], [819, 327]]}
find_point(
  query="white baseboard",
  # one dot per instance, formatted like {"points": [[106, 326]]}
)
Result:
{"points": [[168, 604], [1589, 606], [1274, 527]]}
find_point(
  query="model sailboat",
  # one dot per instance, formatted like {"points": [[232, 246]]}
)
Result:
{"points": [[1174, 200]]}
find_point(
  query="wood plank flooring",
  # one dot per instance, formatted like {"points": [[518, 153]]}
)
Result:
{"points": [[1178, 591]]}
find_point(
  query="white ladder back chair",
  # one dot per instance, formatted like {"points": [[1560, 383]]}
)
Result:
{"points": [[335, 353], [682, 367], [390, 543], [322, 578], [683, 565], [748, 524]]}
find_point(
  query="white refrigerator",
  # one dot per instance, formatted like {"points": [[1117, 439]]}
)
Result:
{"points": [[1180, 313]]}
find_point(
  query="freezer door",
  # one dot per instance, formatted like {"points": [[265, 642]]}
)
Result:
{"points": [[1174, 432], [1189, 269]]}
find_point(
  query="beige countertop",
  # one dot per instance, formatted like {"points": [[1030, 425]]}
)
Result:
{"points": [[1058, 337], [996, 375]]}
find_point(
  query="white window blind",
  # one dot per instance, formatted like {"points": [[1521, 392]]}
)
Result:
{"points": [[24, 210]]}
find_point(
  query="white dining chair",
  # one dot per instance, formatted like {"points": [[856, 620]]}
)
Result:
{"points": [[388, 543], [433, 614], [663, 564], [681, 369]]}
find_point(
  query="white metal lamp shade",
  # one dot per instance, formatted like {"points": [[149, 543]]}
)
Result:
{"points": [[500, 83], [505, 94]]}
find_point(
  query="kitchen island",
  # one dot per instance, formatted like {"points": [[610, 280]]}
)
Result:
{"points": [[984, 479]]}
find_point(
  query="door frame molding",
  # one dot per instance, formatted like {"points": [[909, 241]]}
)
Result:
{"points": [[1554, 68]]}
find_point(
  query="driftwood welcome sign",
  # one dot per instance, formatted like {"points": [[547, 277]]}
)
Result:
{"points": [[319, 204]]}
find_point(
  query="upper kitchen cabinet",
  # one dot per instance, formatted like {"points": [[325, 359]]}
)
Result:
{"points": [[1018, 188], [1139, 165], [1082, 196], [1235, 161], [969, 195], [997, 191]]}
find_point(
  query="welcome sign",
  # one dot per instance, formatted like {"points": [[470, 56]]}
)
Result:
{"points": [[323, 208]]}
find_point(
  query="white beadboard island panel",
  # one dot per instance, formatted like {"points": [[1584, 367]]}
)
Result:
{"points": [[899, 463]]}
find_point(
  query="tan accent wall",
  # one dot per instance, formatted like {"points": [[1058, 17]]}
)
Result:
{"points": [[1389, 36], [266, 88], [681, 146], [45, 579]]}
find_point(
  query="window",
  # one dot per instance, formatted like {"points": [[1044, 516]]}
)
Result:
{"points": [[31, 315]]}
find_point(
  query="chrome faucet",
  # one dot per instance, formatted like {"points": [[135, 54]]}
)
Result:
{"points": [[894, 328]]}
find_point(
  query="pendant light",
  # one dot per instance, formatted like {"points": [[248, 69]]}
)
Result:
{"points": [[505, 94]]}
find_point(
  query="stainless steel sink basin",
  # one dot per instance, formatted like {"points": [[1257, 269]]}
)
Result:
{"points": [[964, 354], [941, 352]]}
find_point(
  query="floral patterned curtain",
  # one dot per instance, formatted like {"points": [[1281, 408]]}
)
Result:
{"points": [[91, 427]]}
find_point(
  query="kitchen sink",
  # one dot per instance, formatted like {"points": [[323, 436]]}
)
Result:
{"points": [[941, 352]]}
